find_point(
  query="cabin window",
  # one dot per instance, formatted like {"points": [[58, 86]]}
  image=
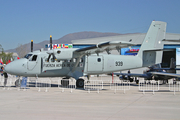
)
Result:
{"points": [[99, 59], [81, 60], [34, 58], [74, 60], [58, 52]]}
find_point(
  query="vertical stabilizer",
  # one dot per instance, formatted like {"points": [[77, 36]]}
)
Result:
{"points": [[172, 66], [152, 42]]}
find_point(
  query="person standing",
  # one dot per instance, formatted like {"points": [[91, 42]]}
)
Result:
{"points": [[5, 76]]}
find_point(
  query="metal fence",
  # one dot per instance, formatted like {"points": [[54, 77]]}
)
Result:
{"points": [[67, 84], [174, 86], [117, 84], [150, 85], [94, 84]]}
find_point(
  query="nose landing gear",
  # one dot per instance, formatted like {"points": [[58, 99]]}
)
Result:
{"points": [[18, 82]]}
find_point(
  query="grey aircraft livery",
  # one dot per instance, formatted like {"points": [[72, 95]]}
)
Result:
{"points": [[78, 62]]}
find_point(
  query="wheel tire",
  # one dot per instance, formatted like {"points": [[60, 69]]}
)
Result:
{"points": [[64, 83], [131, 80], [18, 82], [137, 81], [80, 83]]}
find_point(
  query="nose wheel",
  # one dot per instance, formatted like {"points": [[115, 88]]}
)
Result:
{"points": [[18, 82]]}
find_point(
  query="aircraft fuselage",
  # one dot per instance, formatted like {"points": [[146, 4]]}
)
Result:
{"points": [[36, 65]]}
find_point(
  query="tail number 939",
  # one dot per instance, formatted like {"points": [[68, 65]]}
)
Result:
{"points": [[119, 63]]}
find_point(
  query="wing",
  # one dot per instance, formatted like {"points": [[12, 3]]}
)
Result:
{"points": [[98, 48], [101, 47], [166, 74]]}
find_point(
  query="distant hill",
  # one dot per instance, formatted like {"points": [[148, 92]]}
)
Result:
{"points": [[66, 39]]}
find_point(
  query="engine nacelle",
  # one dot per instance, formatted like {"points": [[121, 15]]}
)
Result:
{"points": [[62, 54]]}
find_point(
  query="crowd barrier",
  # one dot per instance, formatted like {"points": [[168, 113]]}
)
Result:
{"points": [[148, 85], [43, 84], [94, 84], [66, 84], [174, 86], [117, 84], [98, 83], [9, 84]]}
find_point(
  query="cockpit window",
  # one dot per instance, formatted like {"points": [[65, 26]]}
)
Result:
{"points": [[34, 58], [27, 56]]}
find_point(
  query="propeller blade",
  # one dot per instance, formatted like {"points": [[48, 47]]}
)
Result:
{"points": [[54, 57], [48, 57]]}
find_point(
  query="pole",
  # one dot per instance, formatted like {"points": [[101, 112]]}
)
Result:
{"points": [[50, 42], [31, 45]]}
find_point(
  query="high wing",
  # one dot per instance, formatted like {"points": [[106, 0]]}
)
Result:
{"points": [[166, 74], [101, 47]]}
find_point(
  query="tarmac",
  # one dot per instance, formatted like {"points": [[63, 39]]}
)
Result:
{"points": [[80, 104]]}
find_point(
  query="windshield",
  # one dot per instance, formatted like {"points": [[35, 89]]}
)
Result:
{"points": [[27, 56]]}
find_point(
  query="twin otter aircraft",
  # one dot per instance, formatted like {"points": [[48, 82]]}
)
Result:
{"points": [[78, 62]]}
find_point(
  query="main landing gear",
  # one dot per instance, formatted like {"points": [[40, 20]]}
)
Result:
{"points": [[65, 82], [18, 82], [79, 82]]}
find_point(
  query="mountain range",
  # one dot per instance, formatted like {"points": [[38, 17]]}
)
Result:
{"points": [[66, 39]]}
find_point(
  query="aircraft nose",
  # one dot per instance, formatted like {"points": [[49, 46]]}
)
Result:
{"points": [[14, 68], [8, 69]]}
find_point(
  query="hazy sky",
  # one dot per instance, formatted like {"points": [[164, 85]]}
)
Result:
{"points": [[24, 20]]}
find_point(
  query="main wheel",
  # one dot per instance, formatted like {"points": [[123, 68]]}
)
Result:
{"points": [[65, 82], [137, 81], [80, 83]]}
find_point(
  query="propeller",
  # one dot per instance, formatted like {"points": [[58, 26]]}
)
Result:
{"points": [[31, 45], [51, 52]]}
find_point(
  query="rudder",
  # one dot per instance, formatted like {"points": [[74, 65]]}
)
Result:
{"points": [[152, 42]]}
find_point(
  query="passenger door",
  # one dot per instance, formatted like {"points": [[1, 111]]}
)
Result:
{"points": [[95, 63]]}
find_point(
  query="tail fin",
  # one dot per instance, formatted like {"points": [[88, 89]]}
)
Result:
{"points": [[172, 66], [153, 42]]}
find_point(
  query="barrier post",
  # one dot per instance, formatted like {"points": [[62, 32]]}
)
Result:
{"points": [[153, 88], [174, 88]]}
